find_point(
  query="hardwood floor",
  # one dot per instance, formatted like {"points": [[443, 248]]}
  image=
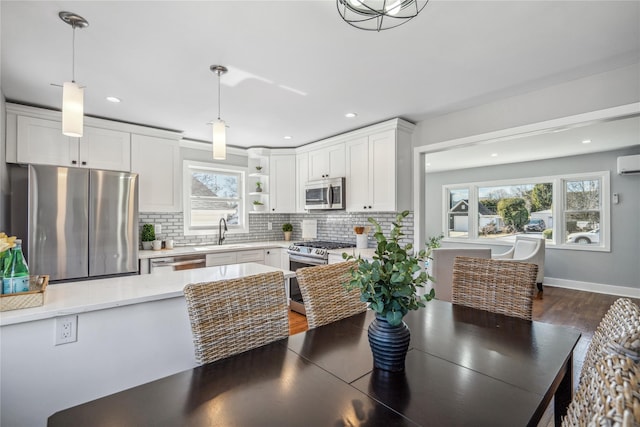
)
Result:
{"points": [[577, 309]]}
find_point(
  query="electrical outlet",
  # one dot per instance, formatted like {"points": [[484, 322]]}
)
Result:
{"points": [[158, 229], [269, 226], [66, 330]]}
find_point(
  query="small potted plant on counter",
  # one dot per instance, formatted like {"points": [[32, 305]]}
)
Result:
{"points": [[287, 228], [147, 236], [389, 283], [258, 206]]}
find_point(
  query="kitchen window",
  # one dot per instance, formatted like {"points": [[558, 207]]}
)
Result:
{"points": [[570, 211], [212, 192]]}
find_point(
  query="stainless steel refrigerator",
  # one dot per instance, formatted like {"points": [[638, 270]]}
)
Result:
{"points": [[75, 223]]}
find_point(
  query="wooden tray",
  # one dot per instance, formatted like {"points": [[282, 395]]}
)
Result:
{"points": [[32, 298]]}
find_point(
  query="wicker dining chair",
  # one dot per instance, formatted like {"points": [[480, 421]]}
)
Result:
{"points": [[608, 396], [619, 331], [324, 295], [504, 287], [232, 316]]}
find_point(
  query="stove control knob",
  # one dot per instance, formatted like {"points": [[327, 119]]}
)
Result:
{"points": [[319, 251]]}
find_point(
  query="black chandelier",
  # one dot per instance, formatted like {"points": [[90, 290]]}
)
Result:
{"points": [[376, 15]]}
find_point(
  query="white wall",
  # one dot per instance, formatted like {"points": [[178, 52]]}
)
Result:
{"points": [[116, 349], [597, 92]]}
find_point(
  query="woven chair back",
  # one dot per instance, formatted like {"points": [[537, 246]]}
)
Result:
{"points": [[504, 287], [231, 316], [608, 395], [324, 295], [618, 331]]}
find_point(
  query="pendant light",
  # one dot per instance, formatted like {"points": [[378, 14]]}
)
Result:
{"points": [[376, 15], [219, 126], [72, 93]]}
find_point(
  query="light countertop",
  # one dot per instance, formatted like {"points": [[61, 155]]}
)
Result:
{"points": [[212, 248], [91, 295], [364, 253]]}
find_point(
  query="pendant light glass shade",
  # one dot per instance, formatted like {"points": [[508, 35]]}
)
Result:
{"points": [[376, 15], [219, 126], [219, 140], [72, 109]]}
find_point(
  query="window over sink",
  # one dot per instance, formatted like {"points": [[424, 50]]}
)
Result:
{"points": [[212, 192]]}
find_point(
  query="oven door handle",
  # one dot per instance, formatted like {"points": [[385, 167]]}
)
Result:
{"points": [[307, 260]]}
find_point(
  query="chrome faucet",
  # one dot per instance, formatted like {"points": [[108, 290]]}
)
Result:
{"points": [[221, 231]]}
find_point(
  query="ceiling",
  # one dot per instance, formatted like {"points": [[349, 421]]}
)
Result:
{"points": [[295, 68]]}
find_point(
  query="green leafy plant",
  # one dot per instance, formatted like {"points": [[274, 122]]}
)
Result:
{"points": [[433, 242], [148, 233], [258, 168], [390, 282], [287, 227], [258, 203]]}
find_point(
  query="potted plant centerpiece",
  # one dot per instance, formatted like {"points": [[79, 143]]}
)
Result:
{"points": [[389, 283], [147, 236], [287, 228]]}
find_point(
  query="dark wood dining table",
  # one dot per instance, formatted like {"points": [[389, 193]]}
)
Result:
{"points": [[465, 367]]}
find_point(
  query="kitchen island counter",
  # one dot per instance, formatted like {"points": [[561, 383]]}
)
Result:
{"points": [[90, 295]]}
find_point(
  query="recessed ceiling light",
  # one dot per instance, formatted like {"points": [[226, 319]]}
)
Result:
{"points": [[288, 137], [494, 154], [351, 115], [113, 99], [586, 141]]}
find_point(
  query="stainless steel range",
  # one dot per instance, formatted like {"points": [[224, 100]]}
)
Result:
{"points": [[307, 254]]}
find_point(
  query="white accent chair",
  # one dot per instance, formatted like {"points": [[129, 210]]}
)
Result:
{"points": [[527, 249], [441, 268]]}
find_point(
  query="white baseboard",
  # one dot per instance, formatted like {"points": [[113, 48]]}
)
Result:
{"points": [[599, 288]]}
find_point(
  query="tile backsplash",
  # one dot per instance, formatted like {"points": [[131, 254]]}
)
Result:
{"points": [[334, 226]]}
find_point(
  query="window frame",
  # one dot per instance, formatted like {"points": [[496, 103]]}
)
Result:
{"points": [[190, 165], [557, 207]]}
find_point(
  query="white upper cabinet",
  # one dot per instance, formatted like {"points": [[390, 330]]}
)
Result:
{"points": [[379, 170], [157, 163], [41, 141], [302, 172], [105, 149], [327, 162], [282, 179]]}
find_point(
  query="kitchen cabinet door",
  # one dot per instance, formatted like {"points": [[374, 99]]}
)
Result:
{"points": [[302, 172], [256, 255], [273, 257], [41, 141], [105, 149], [222, 258], [327, 162], [358, 179], [157, 162], [371, 173], [282, 179]]}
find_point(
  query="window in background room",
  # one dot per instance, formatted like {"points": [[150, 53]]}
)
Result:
{"points": [[458, 212], [507, 208], [582, 211], [213, 192]]}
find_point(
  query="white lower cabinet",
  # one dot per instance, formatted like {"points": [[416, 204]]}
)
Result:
{"points": [[250, 256], [278, 258], [222, 258]]}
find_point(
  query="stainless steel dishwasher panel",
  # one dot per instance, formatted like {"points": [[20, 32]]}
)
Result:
{"points": [[177, 262]]}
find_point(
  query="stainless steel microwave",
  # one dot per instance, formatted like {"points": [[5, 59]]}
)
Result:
{"points": [[325, 194]]}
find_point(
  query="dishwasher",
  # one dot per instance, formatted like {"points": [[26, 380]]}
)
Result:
{"points": [[178, 262]]}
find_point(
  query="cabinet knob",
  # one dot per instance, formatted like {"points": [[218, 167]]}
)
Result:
{"points": [[73, 162], [364, 207], [369, 207], [84, 163], [273, 209]]}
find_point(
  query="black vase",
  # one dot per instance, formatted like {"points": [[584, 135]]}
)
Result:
{"points": [[389, 344]]}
